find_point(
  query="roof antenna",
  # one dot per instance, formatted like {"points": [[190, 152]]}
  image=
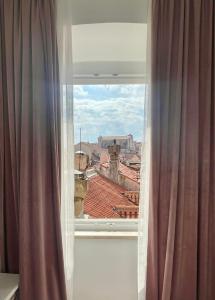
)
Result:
{"points": [[80, 152]]}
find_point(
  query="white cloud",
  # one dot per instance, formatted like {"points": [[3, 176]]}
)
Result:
{"points": [[108, 110], [109, 117], [79, 91]]}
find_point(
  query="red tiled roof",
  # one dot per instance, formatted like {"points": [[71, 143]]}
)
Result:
{"points": [[125, 171], [130, 157], [133, 196], [127, 211], [103, 196]]}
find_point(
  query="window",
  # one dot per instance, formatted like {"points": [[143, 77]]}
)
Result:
{"points": [[109, 91], [108, 122]]}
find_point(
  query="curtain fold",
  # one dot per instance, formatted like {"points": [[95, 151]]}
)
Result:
{"points": [[64, 29], [30, 151], [181, 250], [145, 172]]}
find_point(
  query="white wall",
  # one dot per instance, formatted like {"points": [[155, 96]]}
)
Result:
{"points": [[105, 268]]}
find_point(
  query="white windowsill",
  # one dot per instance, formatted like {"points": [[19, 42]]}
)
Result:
{"points": [[109, 228], [105, 234]]}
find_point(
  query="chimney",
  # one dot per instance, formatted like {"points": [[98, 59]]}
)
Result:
{"points": [[81, 184], [81, 161], [114, 151]]}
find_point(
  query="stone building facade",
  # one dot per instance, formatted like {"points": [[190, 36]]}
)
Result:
{"points": [[125, 142]]}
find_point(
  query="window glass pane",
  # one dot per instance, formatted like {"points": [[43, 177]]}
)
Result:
{"points": [[108, 125]]}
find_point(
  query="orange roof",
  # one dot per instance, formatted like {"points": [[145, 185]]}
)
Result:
{"points": [[125, 171], [103, 196], [127, 211], [130, 173]]}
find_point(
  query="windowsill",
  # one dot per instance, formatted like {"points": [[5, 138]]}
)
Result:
{"points": [[106, 227], [105, 234]]}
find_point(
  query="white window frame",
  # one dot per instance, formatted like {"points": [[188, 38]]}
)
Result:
{"points": [[106, 225], [108, 79]]}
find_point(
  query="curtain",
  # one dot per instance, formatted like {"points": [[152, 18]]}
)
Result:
{"points": [[30, 151], [64, 29], [143, 219], [181, 249]]}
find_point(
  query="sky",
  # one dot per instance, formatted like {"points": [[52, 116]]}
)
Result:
{"points": [[108, 110]]}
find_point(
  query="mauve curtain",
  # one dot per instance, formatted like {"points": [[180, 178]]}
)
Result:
{"points": [[30, 148], [181, 250]]}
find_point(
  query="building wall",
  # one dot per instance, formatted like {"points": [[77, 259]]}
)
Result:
{"points": [[123, 143], [126, 142], [122, 180], [88, 148], [128, 183]]}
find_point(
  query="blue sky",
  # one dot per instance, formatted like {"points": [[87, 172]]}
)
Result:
{"points": [[108, 110]]}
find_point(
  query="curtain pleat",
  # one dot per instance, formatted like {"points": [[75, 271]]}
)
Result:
{"points": [[30, 148], [64, 29], [181, 251]]}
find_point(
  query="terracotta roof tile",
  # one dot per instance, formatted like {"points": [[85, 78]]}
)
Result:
{"points": [[103, 196], [125, 171], [127, 211], [130, 173]]}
